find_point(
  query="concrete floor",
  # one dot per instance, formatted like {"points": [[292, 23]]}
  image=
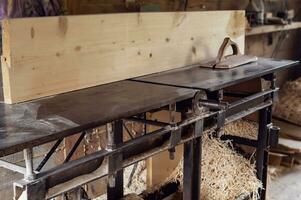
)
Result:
{"points": [[287, 186]]}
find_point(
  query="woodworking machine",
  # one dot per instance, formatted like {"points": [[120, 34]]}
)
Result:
{"points": [[199, 94]]}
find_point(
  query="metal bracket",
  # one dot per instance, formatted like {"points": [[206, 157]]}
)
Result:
{"points": [[198, 128], [176, 134], [175, 139]]}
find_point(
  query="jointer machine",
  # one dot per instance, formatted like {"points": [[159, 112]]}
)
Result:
{"points": [[199, 94]]}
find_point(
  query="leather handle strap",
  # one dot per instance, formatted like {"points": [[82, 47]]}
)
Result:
{"points": [[222, 50]]}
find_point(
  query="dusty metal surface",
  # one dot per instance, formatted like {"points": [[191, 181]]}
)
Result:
{"points": [[33, 123], [196, 77]]}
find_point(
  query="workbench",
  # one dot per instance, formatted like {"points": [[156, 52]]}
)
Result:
{"points": [[197, 93]]}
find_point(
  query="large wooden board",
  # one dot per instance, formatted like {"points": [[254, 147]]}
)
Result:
{"points": [[52, 55]]}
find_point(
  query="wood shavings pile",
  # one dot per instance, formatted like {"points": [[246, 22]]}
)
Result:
{"points": [[289, 105], [242, 128], [137, 175], [226, 175]]}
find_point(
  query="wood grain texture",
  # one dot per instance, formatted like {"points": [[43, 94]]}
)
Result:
{"points": [[53, 55]]}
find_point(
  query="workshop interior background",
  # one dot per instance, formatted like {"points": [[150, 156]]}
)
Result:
{"points": [[282, 44]]}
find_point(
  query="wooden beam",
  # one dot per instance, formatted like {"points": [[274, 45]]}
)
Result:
{"points": [[53, 55], [272, 28]]}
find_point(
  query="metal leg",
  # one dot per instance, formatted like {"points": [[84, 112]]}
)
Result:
{"points": [[266, 155], [28, 157], [261, 154], [115, 185], [192, 159]]}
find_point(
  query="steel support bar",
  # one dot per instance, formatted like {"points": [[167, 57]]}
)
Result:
{"points": [[28, 157], [75, 146], [192, 159], [12, 167], [247, 112], [252, 97], [115, 185], [192, 163], [250, 101], [49, 154], [148, 122]]}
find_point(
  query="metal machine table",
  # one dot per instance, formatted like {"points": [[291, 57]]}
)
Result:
{"points": [[26, 125]]}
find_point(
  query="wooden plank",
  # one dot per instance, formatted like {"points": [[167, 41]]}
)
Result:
{"points": [[275, 159], [288, 129], [293, 144], [272, 28], [52, 55]]}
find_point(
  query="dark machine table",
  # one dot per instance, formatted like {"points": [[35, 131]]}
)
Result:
{"points": [[29, 124], [195, 77], [33, 123]]}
